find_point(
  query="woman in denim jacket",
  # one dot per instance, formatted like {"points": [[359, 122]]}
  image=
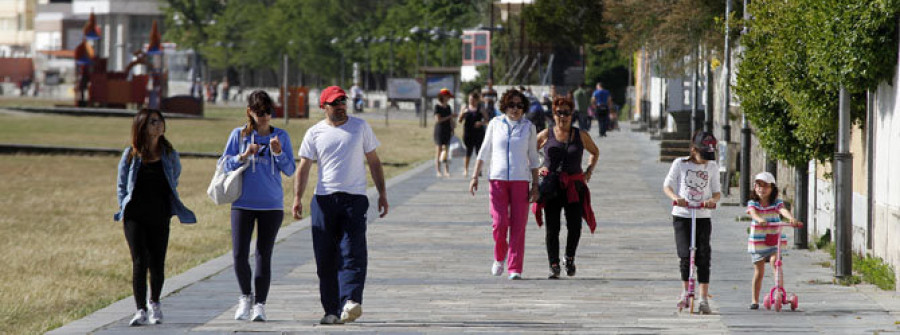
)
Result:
{"points": [[148, 197]]}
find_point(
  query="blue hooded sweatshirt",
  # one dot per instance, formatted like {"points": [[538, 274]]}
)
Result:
{"points": [[261, 188]]}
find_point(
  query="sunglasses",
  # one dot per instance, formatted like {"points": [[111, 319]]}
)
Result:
{"points": [[263, 112], [338, 101], [517, 106], [563, 113]]}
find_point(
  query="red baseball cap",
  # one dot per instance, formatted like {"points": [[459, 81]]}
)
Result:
{"points": [[446, 92], [329, 94]]}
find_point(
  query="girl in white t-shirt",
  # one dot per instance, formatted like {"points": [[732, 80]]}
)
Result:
{"points": [[694, 179]]}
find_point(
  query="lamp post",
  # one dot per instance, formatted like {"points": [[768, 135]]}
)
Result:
{"points": [[334, 43], [284, 83], [365, 41]]}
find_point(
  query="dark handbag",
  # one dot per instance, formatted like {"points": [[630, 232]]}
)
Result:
{"points": [[548, 185]]}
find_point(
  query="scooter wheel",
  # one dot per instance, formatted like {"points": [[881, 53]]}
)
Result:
{"points": [[767, 302], [794, 302], [778, 301]]}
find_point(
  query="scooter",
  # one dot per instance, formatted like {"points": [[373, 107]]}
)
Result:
{"points": [[688, 300], [777, 295]]}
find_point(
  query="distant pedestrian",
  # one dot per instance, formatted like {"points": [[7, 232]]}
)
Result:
{"points": [[443, 131], [510, 143], [582, 102], [695, 179], [564, 147], [764, 208], [474, 120], [148, 197], [339, 145], [602, 101], [268, 151], [536, 114]]}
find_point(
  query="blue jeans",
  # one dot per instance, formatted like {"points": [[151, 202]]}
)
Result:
{"points": [[339, 241]]}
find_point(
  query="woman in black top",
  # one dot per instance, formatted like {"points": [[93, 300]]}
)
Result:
{"points": [[563, 147], [147, 179], [474, 120], [443, 130]]}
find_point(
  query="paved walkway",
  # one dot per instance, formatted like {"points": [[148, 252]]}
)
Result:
{"points": [[430, 261]]}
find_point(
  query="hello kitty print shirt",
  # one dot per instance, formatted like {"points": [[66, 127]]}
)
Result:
{"points": [[694, 182]]}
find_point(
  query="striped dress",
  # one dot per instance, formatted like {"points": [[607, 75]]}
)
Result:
{"points": [[756, 243]]}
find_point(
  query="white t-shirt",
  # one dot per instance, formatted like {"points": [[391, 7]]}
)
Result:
{"points": [[340, 153], [694, 183]]}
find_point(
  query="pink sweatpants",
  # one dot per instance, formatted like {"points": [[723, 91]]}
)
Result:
{"points": [[509, 208]]}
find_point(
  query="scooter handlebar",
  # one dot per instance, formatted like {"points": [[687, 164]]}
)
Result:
{"points": [[694, 205]]}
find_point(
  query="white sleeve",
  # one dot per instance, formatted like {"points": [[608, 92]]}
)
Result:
{"points": [[714, 179], [308, 146], [674, 177], [485, 152], [370, 142], [533, 157]]}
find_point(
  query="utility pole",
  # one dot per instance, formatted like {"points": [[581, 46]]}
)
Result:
{"points": [[694, 95], [745, 141], [843, 200], [801, 205], [284, 90], [710, 97], [726, 123]]}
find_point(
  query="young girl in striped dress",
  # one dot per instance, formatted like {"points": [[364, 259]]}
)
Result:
{"points": [[764, 207]]}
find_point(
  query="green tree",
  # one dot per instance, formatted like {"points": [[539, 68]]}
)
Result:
{"points": [[797, 55]]}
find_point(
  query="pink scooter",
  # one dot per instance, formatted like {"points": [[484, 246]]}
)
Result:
{"points": [[777, 295], [688, 300]]}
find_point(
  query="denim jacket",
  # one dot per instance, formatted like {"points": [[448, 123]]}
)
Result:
{"points": [[127, 177]]}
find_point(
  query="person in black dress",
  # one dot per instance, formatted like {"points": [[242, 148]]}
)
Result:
{"points": [[443, 131], [474, 119]]}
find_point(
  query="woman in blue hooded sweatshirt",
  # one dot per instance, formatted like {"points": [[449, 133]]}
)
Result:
{"points": [[147, 195], [268, 151]]}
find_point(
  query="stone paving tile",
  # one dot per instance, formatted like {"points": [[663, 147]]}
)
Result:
{"points": [[430, 260]]}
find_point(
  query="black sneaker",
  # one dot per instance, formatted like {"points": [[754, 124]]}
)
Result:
{"points": [[570, 266], [554, 271], [754, 306]]}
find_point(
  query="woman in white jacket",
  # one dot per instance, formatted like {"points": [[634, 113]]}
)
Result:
{"points": [[510, 143]]}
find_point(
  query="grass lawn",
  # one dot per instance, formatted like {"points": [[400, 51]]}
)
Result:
{"points": [[68, 258]]}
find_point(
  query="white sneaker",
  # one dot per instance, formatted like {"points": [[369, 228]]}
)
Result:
{"points": [[156, 315], [497, 268], [243, 309], [139, 319], [352, 311], [259, 312], [331, 319], [704, 307], [515, 276]]}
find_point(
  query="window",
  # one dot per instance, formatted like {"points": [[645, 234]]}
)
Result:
{"points": [[476, 47]]}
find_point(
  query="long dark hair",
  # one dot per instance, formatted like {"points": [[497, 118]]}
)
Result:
{"points": [[140, 142], [258, 101]]}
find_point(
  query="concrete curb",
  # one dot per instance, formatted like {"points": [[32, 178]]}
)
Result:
{"points": [[123, 308]]}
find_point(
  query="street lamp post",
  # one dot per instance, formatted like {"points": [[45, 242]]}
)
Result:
{"points": [[334, 42]]}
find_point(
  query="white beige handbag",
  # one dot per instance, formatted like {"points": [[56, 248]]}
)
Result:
{"points": [[225, 187]]}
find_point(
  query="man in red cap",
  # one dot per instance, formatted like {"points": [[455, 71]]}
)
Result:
{"points": [[339, 204]]}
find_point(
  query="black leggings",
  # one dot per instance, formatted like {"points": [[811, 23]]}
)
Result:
{"points": [[552, 211], [683, 242], [268, 222], [473, 144], [148, 240]]}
